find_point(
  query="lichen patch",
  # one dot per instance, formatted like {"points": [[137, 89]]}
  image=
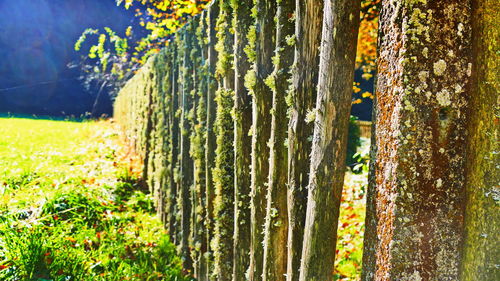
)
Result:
{"points": [[439, 183], [439, 67], [423, 75], [443, 98]]}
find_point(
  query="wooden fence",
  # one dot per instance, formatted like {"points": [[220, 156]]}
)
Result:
{"points": [[198, 115]]}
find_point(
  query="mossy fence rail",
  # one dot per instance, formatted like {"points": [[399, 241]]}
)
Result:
{"points": [[241, 123]]}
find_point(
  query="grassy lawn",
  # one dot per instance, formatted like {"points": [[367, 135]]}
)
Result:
{"points": [[70, 210], [351, 228]]}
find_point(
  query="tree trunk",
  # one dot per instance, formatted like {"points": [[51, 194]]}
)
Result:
{"points": [[147, 126], [414, 230], [482, 219], [152, 134], [261, 129], [186, 163], [276, 223], [162, 63], [199, 245], [174, 148], [224, 189], [242, 141], [224, 154], [309, 18], [212, 15], [370, 234], [333, 107], [167, 145]]}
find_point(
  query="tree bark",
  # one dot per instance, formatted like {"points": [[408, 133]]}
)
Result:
{"points": [[212, 15], [152, 134], [242, 140], [186, 163], [147, 125], [174, 148], [199, 245], [163, 63], [415, 229], [261, 129], [309, 17], [482, 219], [224, 189], [333, 107], [276, 223], [224, 154]]}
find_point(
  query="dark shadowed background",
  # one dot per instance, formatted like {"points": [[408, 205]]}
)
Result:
{"points": [[37, 40], [36, 45]]}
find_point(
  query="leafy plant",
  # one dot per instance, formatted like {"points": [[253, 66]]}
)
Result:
{"points": [[33, 253], [76, 207], [113, 59], [73, 211], [19, 180]]}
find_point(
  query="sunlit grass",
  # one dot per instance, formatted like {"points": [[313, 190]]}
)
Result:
{"points": [[28, 145], [349, 253], [65, 185], [68, 213]]}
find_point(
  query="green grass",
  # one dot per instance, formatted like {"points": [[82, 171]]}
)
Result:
{"points": [[350, 232], [70, 210], [349, 253]]}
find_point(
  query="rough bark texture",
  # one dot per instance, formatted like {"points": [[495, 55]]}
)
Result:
{"points": [[213, 13], [418, 179], [174, 139], [199, 55], [186, 163], [276, 224], [242, 22], [482, 218], [162, 144], [148, 127], [224, 154], [371, 219], [153, 132], [162, 131], [178, 176], [309, 15], [333, 106], [261, 129], [224, 188]]}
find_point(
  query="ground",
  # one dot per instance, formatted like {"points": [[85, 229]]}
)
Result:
{"points": [[351, 228], [71, 208], [349, 254]]}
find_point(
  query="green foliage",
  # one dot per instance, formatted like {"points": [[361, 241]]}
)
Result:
{"points": [[34, 254], [70, 211], [114, 59], [349, 253], [75, 206], [354, 141], [83, 37], [24, 178]]}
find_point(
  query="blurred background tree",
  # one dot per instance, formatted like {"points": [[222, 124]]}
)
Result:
{"points": [[37, 40], [112, 59]]}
